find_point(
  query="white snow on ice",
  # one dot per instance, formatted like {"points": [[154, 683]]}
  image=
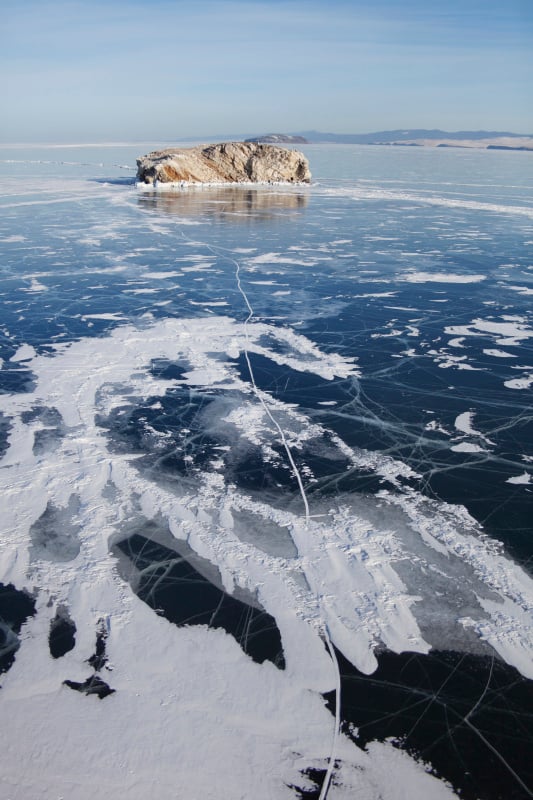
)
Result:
{"points": [[467, 447], [498, 353], [463, 422], [522, 479], [520, 383], [511, 331], [261, 726], [345, 555], [441, 277]]}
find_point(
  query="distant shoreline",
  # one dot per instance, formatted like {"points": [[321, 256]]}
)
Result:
{"points": [[469, 144], [417, 137], [509, 142]]}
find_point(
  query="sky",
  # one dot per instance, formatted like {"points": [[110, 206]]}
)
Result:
{"points": [[134, 70]]}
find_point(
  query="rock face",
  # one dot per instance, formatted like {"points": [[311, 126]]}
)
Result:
{"points": [[229, 162]]}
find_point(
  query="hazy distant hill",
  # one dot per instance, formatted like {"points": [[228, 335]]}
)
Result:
{"points": [[415, 137], [403, 135], [278, 138]]}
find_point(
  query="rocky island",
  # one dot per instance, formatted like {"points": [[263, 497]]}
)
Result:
{"points": [[228, 162]]}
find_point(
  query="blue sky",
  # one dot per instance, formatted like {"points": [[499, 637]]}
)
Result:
{"points": [[118, 70]]}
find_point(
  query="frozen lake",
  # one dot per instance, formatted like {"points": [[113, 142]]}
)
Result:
{"points": [[267, 460]]}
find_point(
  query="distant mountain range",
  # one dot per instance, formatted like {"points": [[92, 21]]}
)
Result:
{"points": [[402, 135], [415, 137], [420, 137]]}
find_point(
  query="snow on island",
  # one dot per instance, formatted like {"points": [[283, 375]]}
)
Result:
{"points": [[228, 162]]}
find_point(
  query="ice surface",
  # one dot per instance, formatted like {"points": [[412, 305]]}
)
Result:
{"points": [[351, 558], [55, 535], [420, 198], [88, 491], [153, 436]]}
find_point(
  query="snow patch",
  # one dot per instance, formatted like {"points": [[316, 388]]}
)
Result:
{"points": [[522, 479], [441, 277]]}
